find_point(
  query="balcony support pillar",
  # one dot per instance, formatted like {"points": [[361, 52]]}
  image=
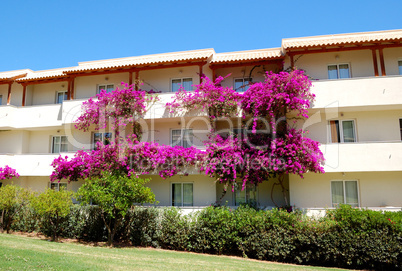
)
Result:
{"points": [[375, 64], [72, 88], [383, 73], [200, 72], [130, 78], [9, 93], [24, 92], [292, 62], [137, 74], [69, 89]]}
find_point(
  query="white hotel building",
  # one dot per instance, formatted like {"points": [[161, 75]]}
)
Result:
{"points": [[357, 117]]}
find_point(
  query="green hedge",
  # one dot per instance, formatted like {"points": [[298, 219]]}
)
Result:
{"points": [[346, 237]]}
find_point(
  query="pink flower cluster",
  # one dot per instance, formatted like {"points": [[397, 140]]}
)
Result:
{"points": [[131, 158], [230, 159], [279, 93], [8, 173], [297, 154], [116, 108], [215, 100], [253, 158]]}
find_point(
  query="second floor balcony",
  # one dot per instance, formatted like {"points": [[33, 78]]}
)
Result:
{"points": [[359, 94]]}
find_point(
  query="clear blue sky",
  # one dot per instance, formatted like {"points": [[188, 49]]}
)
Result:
{"points": [[52, 34]]}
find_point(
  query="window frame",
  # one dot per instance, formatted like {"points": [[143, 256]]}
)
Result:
{"points": [[181, 83], [344, 192], [341, 131], [103, 136], [243, 87], [58, 185], [246, 200], [181, 137], [64, 98], [52, 143], [98, 90], [400, 126], [182, 193], [337, 70]]}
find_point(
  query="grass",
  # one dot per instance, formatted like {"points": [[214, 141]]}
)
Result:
{"points": [[24, 253]]}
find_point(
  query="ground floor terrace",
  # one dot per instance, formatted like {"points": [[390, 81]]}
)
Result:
{"points": [[316, 192]]}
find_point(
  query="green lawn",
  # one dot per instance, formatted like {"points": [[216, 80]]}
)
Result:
{"points": [[25, 253]]}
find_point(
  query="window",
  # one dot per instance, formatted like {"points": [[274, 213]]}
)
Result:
{"points": [[247, 195], [1, 102], [186, 83], [344, 192], [102, 137], [234, 132], [239, 133], [61, 96], [400, 66], [59, 144], [182, 194], [338, 71], [58, 186], [242, 84], [342, 131], [109, 88], [400, 126], [182, 138]]}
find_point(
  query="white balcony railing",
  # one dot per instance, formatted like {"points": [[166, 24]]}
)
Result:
{"points": [[367, 92], [363, 157], [31, 164], [30, 116], [353, 157]]}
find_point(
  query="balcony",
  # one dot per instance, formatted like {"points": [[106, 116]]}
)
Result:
{"points": [[363, 157], [156, 110], [31, 164], [368, 93], [30, 116]]}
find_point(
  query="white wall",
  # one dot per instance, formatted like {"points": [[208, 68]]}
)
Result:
{"points": [[391, 57], [371, 126], [376, 189], [40, 183], [316, 65], [258, 73], [46, 93], [263, 194], [204, 189], [160, 80], [86, 86]]}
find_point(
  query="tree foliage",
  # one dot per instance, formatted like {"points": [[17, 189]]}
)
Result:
{"points": [[13, 198], [115, 194], [53, 206]]}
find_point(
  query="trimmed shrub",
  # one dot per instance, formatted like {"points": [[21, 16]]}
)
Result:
{"points": [[346, 237], [146, 226]]}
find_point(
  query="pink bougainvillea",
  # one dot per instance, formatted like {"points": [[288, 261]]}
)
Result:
{"points": [[8, 173], [117, 108], [131, 158], [209, 96], [251, 158], [279, 93]]}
